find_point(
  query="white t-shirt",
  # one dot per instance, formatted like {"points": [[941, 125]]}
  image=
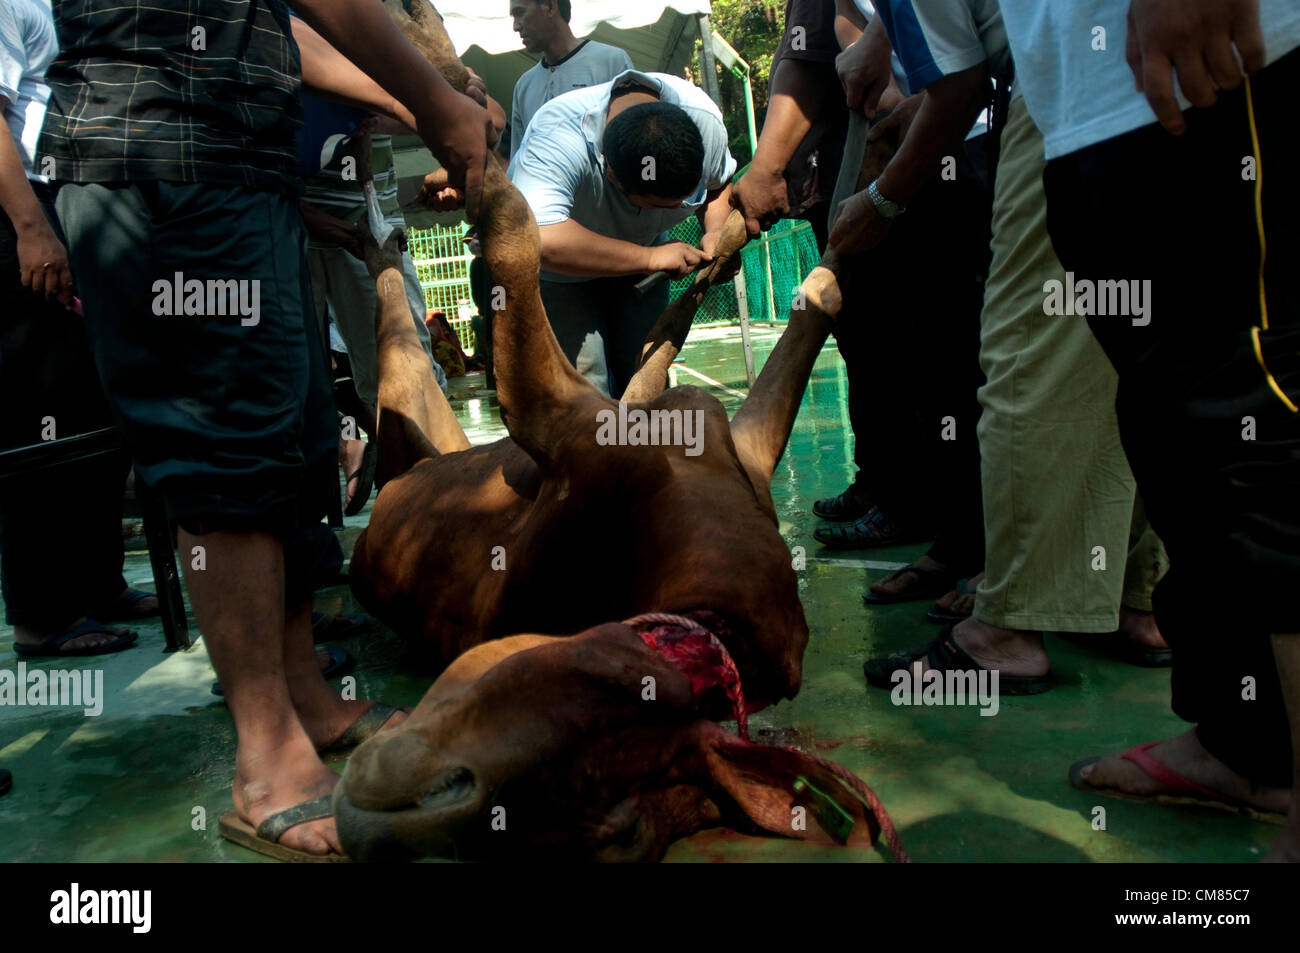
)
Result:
{"points": [[588, 65], [28, 44], [1070, 66], [933, 40], [560, 168]]}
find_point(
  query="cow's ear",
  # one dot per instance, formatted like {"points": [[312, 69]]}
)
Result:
{"points": [[789, 792]]}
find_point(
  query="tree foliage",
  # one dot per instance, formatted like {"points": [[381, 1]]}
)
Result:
{"points": [[753, 28]]}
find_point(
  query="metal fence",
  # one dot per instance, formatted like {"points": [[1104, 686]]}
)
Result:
{"points": [[442, 264], [787, 253]]}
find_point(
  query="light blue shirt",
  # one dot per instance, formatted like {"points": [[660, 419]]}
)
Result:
{"points": [[28, 44], [931, 41], [560, 168], [1071, 68], [589, 64], [934, 40]]}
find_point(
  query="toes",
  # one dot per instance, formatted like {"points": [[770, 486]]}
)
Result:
{"points": [[317, 837], [1114, 773], [90, 641]]}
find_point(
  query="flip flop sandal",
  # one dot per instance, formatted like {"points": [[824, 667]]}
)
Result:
{"points": [[51, 647], [123, 608], [840, 509], [365, 477], [6, 781], [871, 531], [340, 659], [1125, 649], [365, 727], [1182, 792], [945, 655], [934, 582], [265, 839], [963, 588]]}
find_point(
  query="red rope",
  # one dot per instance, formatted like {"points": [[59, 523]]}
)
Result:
{"points": [[704, 672], [691, 658]]}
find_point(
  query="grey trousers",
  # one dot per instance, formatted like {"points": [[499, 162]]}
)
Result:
{"points": [[342, 282]]}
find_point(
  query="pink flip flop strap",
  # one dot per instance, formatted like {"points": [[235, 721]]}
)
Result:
{"points": [[1166, 775]]}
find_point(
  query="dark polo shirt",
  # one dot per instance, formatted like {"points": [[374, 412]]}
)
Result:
{"points": [[205, 92]]}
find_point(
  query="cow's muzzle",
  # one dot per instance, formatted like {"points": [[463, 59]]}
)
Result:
{"points": [[387, 815]]}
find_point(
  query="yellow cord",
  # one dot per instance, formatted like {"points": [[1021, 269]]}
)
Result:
{"points": [[1259, 202], [1259, 225], [1259, 356]]}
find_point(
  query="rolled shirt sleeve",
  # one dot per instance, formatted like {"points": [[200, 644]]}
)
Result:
{"points": [[13, 56], [934, 40]]}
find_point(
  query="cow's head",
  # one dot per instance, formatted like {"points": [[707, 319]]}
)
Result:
{"points": [[593, 746]]}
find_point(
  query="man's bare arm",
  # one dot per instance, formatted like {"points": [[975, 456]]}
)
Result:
{"points": [[329, 74], [849, 23], [37, 243], [948, 109], [795, 104], [455, 128], [570, 249], [866, 71]]}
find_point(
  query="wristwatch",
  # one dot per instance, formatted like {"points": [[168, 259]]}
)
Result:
{"points": [[888, 209]]}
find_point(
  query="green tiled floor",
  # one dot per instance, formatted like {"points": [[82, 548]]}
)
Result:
{"points": [[138, 782]]}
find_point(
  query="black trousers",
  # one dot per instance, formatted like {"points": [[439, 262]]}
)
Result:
{"points": [[1211, 440], [61, 528], [912, 357], [601, 324]]}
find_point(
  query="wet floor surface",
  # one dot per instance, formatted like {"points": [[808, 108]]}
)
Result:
{"points": [[146, 779]]}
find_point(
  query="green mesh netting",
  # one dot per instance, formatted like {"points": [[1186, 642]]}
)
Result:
{"points": [[791, 249]]}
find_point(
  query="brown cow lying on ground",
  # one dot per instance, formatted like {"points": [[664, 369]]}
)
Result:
{"points": [[601, 744]]}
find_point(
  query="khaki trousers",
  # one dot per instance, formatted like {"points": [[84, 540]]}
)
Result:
{"points": [[1060, 513]]}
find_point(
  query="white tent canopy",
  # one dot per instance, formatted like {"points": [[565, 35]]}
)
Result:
{"points": [[659, 36]]}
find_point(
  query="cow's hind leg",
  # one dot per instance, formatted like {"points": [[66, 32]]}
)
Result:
{"points": [[415, 420]]}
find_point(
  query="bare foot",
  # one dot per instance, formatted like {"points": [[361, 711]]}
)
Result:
{"points": [[1185, 756], [905, 581], [279, 778], [350, 454], [324, 714], [1010, 651], [963, 604], [1140, 627], [26, 635], [143, 607], [325, 727]]}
